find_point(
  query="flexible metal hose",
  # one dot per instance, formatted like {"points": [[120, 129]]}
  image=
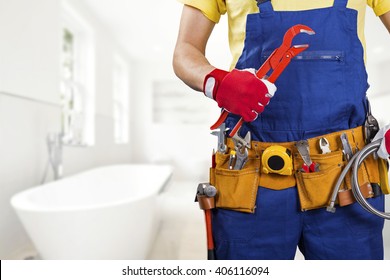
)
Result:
{"points": [[355, 163], [362, 155]]}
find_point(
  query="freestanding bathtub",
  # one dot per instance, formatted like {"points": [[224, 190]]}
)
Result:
{"points": [[105, 213]]}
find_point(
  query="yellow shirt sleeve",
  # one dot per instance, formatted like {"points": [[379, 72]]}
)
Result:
{"points": [[380, 7], [212, 9]]}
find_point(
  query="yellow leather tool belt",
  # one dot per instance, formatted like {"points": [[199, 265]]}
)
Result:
{"points": [[237, 189]]}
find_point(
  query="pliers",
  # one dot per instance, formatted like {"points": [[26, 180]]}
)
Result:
{"points": [[308, 165], [277, 61]]}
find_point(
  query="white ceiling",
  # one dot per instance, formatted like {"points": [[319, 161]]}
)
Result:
{"points": [[147, 29]]}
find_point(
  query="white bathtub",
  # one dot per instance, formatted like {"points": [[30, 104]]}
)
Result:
{"points": [[104, 213]]}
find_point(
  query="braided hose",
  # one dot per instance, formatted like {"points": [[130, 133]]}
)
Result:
{"points": [[362, 155], [355, 163]]}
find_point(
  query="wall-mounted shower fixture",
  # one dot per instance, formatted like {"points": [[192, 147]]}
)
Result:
{"points": [[54, 146]]}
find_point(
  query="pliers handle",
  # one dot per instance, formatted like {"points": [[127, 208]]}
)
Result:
{"points": [[313, 167], [277, 61]]}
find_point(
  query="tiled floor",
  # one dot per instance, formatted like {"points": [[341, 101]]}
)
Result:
{"points": [[182, 231]]}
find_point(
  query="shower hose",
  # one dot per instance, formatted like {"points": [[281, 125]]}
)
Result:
{"points": [[355, 163]]}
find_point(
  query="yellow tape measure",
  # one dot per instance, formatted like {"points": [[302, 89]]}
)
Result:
{"points": [[277, 159]]}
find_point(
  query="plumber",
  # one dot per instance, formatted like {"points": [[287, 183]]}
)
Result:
{"points": [[270, 205]]}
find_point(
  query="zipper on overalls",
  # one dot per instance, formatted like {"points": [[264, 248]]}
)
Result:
{"points": [[315, 55]]}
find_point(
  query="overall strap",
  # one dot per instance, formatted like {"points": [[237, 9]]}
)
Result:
{"points": [[340, 3], [265, 6]]}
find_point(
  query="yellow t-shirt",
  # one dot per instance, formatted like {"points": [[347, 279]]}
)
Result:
{"points": [[237, 10]]}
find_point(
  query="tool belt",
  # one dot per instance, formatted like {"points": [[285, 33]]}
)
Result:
{"points": [[237, 189]]}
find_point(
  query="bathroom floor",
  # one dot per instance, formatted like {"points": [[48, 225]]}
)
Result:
{"points": [[182, 230], [182, 233]]}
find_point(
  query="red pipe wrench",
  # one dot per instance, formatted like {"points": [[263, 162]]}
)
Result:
{"points": [[277, 61]]}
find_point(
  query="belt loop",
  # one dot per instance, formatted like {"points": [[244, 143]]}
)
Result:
{"points": [[265, 6]]}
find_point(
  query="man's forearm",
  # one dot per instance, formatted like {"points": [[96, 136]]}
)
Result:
{"points": [[189, 61], [191, 66]]}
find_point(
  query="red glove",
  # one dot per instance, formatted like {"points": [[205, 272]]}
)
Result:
{"points": [[384, 149], [240, 92]]}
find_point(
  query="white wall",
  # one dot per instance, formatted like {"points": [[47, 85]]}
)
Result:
{"points": [[30, 37], [187, 146], [29, 48]]}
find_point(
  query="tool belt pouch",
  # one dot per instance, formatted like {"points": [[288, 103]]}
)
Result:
{"points": [[236, 189], [315, 188]]}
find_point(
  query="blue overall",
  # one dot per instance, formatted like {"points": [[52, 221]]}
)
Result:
{"points": [[322, 90]]}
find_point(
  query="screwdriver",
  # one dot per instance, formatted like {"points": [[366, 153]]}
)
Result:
{"points": [[232, 157]]}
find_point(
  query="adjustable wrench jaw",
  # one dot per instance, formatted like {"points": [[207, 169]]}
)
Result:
{"points": [[277, 61], [291, 33], [285, 60], [242, 142], [241, 147], [241, 158], [282, 56], [220, 133]]}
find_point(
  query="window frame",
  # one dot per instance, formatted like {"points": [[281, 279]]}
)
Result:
{"points": [[120, 99], [78, 109]]}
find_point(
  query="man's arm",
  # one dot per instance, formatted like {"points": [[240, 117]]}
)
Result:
{"points": [[239, 92], [189, 61], [385, 18]]}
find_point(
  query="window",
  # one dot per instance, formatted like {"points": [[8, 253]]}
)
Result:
{"points": [[120, 100], [176, 103], [77, 80]]}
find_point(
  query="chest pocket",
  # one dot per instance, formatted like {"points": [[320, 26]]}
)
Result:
{"points": [[312, 88]]}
